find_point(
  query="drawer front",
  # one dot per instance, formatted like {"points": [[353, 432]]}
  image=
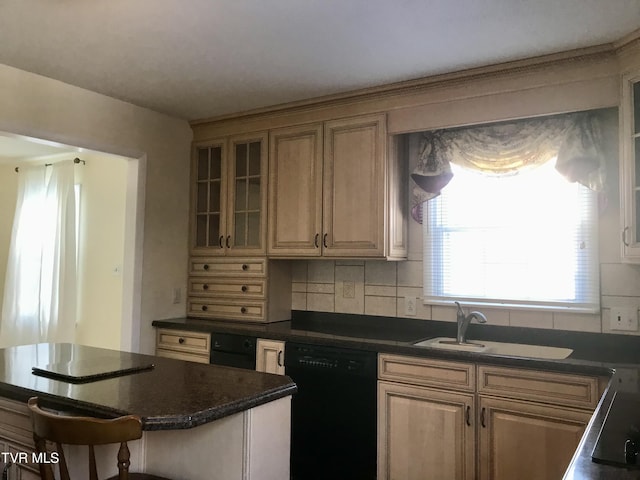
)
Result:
{"points": [[227, 288], [252, 311], [546, 387], [190, 357], [427, 372], [15, 422], [183, 341], [228, 267]]}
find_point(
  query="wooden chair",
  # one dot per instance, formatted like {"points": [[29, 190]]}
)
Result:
{"points": [[69, 430]]}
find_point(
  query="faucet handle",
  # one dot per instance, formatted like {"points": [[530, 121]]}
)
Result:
{"points": [[460, 310]]}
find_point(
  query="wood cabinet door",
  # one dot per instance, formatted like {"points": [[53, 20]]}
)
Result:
{"points": [[209, 198], [295, 191], [630, 165], [270, 356], [527, 441], [425, 434], [247, 195], [353, 187]]}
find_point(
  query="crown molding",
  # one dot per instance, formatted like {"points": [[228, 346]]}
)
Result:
{"points": [[415, 85]]}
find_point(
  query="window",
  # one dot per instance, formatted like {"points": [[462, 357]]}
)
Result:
{"points": [[526, 240]]}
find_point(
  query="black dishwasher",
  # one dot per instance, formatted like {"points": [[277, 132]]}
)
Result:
{"points": [[233, 350], [333, 415]]}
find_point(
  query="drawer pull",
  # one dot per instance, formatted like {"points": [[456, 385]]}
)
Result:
{"points": [[243, 310], [181, 340], [244, 288], [205, 267], [204, 308], [624, 236], [468, 415], [245, 267], [205, 287]]}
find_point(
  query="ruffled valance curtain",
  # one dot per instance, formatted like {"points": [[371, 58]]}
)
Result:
{"points": [[509, 148]]}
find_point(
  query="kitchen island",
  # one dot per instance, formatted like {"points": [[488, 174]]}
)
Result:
{"points": [[199, 421]]}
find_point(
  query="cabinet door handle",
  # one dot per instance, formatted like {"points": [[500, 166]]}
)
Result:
{"points": [[228, 241], [5, 470], [279, 358], [482, 415], [324, 240], [315, 240], [468, 415], [220, 241], [624, 236]]}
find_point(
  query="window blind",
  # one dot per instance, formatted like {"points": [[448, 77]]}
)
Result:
{"points": [[525, 241]]}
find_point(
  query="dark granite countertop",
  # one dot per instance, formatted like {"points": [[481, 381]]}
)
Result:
{"points": [[592, 353], [174, 394], [615, 356]]}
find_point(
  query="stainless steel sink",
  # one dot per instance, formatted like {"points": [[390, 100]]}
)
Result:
{"points": [[497, 348]]}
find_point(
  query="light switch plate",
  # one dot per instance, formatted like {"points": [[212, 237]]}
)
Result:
{"points": [[624, 319], [348, 289]]}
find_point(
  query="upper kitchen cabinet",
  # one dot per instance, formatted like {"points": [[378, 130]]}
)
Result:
{"points": [[335, 191], [229, 196], [630, 167], [295, 191]]}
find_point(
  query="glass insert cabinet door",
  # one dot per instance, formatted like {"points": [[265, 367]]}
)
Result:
{"points": [[230, 196], [209, 202], [630, 178]]}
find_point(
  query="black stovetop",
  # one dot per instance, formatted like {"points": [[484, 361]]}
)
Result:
{"points": [[619, 439]]}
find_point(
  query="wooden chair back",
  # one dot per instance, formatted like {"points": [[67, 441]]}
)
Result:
{"points": [[61, 429]]}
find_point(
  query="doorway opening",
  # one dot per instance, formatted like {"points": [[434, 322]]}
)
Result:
{"points": [[110, 191]]}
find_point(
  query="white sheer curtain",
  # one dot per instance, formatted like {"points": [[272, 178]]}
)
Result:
{"points": [[40, 288]]}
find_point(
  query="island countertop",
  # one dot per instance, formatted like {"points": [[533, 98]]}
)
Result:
{"points": [[172, 395]]}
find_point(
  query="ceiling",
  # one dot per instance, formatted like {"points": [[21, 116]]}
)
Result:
{"points": [[15, 149], [202, 58]]}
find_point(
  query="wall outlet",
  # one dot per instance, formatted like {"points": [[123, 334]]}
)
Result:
{"points": [[348, 290], [624, 319], [410, 306], [177, 295]]}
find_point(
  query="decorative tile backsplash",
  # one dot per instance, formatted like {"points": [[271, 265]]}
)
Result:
{"points": [[379, 288]]}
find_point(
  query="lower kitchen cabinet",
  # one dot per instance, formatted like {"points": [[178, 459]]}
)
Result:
{"points": [[16, 438], [270, 356], [183, 345], [525, 440], [455, 420], [424, 433]]}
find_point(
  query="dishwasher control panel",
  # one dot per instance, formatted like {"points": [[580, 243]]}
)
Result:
{"points": [[321, 358]]}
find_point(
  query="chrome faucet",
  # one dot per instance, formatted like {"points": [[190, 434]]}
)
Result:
{"points": [[464, 320]]}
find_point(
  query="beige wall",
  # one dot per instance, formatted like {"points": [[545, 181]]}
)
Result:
{"points": [[39, 107], [8, 192], [381, 287], [103, 183]]}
